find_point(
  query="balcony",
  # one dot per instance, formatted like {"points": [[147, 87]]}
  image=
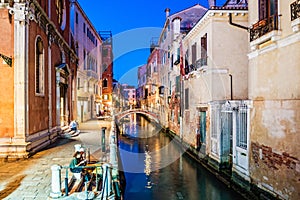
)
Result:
{"points": [[92, 74], [295, 15], [265, 30], [199, 64], [263, 27]]}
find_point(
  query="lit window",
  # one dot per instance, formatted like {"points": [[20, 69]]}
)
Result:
{"points": [[39, 66], [104, 83], [59, 11]]}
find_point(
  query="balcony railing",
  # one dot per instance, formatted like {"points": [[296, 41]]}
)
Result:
{"points": [[92, 74], [295, 10], [263, 27], [198, 64], [201, 62]]}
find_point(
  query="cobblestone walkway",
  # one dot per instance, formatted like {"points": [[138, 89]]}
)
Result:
{"points": [[31, 178]]}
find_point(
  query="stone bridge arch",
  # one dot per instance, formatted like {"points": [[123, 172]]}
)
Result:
{"points": [[149, 114]]}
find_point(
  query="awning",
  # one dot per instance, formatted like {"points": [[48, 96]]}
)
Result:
{"points": [[6, 59], [63, 67]]}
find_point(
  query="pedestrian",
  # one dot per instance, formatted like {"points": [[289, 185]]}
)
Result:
{"points": [[73, 125]]}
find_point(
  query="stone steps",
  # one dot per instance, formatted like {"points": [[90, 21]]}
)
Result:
{"points": [[81, 185], [68, 133]]}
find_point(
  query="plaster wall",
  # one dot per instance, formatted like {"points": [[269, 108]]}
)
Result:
{"points": [[7, 77]]}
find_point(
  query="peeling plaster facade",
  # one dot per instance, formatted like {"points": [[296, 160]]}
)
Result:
{"points": [[274, 79], [216, 90]]}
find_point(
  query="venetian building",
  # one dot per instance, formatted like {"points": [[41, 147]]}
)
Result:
{"points": [[216, 105], [153, 82], [274, 79], [87, 43], [176, 26], [140, 91], [107, 71], [39, 73]]}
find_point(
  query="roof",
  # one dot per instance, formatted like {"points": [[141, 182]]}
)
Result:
{"points": [[233, 4], [189, 16]]}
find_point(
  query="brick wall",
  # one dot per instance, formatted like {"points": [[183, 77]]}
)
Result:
{"points": [[275, 172], [273, 159]]}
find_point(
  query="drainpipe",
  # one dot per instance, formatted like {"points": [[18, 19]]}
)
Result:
{"points": [[231, 95], [237, 25]]}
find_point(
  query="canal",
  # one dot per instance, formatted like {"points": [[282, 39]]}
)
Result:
{"points": [[155, 167]]}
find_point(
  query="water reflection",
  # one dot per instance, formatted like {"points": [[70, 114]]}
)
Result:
{"points": [[156, 169]]}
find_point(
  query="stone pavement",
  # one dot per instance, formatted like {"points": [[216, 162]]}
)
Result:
{"points": [[31, 178]]}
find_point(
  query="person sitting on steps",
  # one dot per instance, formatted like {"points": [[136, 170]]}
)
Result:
{"points": [[76, 163]]}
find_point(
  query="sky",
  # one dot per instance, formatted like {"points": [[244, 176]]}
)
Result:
{"points": [[133, 24]]}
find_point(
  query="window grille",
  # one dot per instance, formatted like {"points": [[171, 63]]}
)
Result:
{"points": [[242, 126]]}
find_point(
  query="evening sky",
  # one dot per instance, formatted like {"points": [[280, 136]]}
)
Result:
{"points": [[133, 24]]}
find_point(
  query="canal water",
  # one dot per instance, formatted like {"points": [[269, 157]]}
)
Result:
{"points": [[155, 167]]}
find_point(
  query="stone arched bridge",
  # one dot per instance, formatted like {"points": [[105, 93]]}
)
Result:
{"points": [[151, 115]]}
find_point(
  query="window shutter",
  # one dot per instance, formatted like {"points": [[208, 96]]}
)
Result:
{"points": [[194, 53], [262, 9]]}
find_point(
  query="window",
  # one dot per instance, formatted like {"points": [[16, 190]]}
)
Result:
{"points": [[105, 52], [78, 83], [203, 50], [178, 85], [83, 27], [194, 53], [267, 8], [242, 124], [186, 98], [84, 60], [39, 66], [105, 97], [146, 93], [59, 11], [76, 17], [172, 60], [268, 21], [104, 84]]}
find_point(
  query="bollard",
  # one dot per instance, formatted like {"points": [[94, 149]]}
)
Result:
{"points": [[106, 183], [103, 139], [56, 181], [77, 147], [113, 155], [88, 155]]}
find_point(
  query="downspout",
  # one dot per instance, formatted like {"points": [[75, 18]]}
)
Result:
{"points": [[26, 82], [49, 76], [231, 95], [237, 25]]}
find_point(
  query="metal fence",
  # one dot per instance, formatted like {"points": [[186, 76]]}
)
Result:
{"points": [[223, 117]]}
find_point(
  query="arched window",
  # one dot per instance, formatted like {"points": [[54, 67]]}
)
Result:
{"points": [[61, 13], [104, 83], [39, 66]]}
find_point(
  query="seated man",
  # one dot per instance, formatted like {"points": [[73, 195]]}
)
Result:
{"points": [[75, 164], [73, 125]]}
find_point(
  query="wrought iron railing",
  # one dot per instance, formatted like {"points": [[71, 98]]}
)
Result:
{"points": [[263, 27], [295, 10], [198, 64], [92, 74], [201, 62]]}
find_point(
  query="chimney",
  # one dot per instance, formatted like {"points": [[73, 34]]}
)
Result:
{"points": [[176, 26], [211, 3], [167, 11]]}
